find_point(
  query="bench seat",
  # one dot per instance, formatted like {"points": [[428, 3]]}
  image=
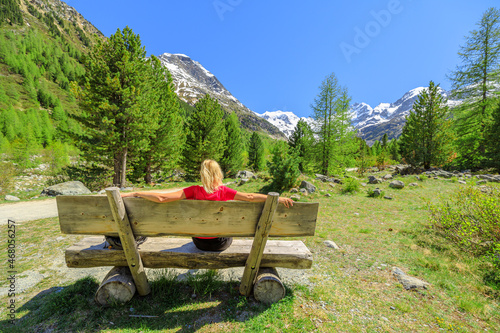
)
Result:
{"points": [[181, 253]]}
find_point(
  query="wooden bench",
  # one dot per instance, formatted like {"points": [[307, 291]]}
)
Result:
{"points": [[127, 218]]}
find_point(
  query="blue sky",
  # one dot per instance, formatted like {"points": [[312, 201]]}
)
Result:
{"points": [[273, 55]]}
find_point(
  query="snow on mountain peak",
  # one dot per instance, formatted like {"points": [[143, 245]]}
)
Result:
{"points": [[286, 121]]}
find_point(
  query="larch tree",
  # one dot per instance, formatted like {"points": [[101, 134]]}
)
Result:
{"points": [[475, 81], [206, 135], [113, 119], [336, 136], [426, 135], [493, 141]]}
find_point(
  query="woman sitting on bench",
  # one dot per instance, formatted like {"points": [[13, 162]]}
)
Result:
{"points": [[212, 189]]}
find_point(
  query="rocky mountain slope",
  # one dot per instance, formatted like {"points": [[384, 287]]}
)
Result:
{"points": [[192, 81]]}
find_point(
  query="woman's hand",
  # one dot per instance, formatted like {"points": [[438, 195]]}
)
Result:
{"points": [[286, 201]]}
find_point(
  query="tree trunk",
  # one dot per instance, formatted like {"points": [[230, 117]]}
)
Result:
{"points": [[147, 173], [117, 287], [116, 169], [123, 179]]}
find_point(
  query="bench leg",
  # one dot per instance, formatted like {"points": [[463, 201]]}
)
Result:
{"points": [[268, 287], [117, 287]]}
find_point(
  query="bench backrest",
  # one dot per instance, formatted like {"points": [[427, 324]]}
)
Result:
{"points": [[92, 215]]}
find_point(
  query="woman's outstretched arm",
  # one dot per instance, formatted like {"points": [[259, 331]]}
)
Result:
{"points": [[257, 197], [157, 196]]}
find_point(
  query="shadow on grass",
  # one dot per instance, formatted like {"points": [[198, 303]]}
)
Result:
{"points": [[171, 305]]}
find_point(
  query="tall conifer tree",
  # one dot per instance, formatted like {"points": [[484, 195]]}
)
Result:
{"points": [[206, 135], [475, 80], [232, 161], [426, 137], [302, 142], [256, 152], [111, 113]]}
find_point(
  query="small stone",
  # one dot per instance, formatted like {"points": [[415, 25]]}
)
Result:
{"points": [[331, 244], [304, 191], [387, 197], [328, 195], [243, 181], [294, 190], [393, 308], [357, 214], [413, 184], [295, 197], [308, 186], [384, 318], [11, 198], [479, 182], [463, 182], [363, 184]]}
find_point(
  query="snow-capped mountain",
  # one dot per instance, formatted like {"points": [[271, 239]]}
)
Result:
{"points": [[372, 123], [284, 120], [192, 81], [389, 118]]}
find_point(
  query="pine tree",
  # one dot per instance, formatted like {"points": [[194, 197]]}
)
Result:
{"points": [[425, 138], [256, 152], [385, 139], [164, 150], [302, 141], [206, 136], [475, 81], [113, 119], [232, 161]]}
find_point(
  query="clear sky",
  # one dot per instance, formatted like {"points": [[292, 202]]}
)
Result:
{"points": [[273, 55]]}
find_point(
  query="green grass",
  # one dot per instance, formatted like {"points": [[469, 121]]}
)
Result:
{"points": [[353, 288]]}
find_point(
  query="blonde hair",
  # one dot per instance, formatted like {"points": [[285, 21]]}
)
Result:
{"points": [[211, 175]]}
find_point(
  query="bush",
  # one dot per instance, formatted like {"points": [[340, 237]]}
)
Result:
{"points": [[350, 185], [471, 219], [372, 194]]}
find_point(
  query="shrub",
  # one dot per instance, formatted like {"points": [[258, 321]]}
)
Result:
{"points": [[471, 219], [372, 194], [350, 185]]}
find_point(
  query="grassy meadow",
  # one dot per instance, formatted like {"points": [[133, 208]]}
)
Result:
{"points": [[349, 290]]}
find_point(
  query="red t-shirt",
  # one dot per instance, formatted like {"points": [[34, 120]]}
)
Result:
{"points": [[222, 193]]}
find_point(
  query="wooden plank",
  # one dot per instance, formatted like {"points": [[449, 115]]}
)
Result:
{"points": [[259, 243], [181, 253], [90, 215], [127, 239]]}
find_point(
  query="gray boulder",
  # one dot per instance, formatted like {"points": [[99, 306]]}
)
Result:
{"points": [[331, 244], [407, 281], [294, 190], [397, 184], [308, 186], [11, 198], [387, 177], [373, 180], [295, 197], [246, 174], [377, 192], [304, 191], [67, 188]]}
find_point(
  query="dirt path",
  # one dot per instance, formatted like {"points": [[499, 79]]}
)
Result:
{"points": [[34, 210], [28, 210]]}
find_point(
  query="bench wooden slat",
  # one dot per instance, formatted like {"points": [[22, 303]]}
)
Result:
{"points": [[91, 215], [182, 253]]}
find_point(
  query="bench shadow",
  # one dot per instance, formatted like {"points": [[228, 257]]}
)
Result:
{"points": [[171, 305]]}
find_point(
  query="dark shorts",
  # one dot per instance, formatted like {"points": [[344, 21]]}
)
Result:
{"points": [[215, 244]]}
